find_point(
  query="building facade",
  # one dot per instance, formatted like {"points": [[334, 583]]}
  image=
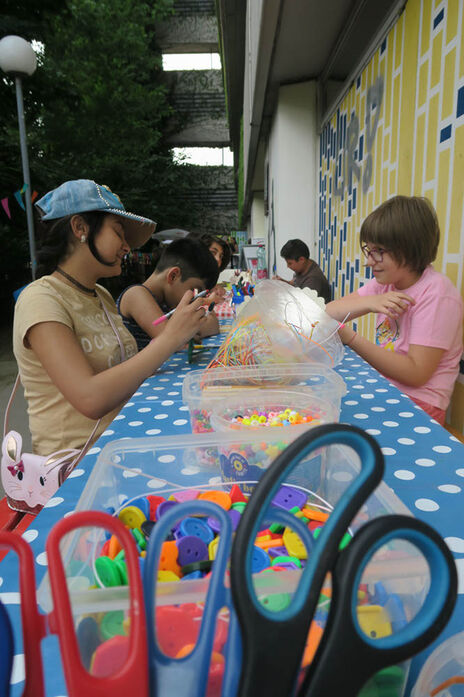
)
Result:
{"points": [[364, 102]]}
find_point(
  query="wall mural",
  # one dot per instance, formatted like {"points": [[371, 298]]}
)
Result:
{"points": [[399, 129]]}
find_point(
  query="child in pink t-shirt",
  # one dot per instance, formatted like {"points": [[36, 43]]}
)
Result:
{"points": [[419, 311]]}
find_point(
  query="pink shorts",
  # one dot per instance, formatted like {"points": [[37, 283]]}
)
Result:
{"points": [[435, 412]]}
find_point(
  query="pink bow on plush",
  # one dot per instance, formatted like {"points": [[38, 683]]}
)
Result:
{"points": [[18, 467]]}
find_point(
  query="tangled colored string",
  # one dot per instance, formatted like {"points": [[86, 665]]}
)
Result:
{"points": [[248, 344]]}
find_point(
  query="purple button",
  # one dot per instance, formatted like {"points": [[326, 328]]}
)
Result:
{"points": [[191, 549], [287, 497], [287, 565], [277, 551], [235, 516], [163, 507]]}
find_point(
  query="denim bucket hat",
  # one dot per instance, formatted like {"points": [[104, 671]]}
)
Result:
{"points": [[85, 195]]}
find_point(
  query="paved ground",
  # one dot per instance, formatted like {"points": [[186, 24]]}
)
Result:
{"points": [[8, 370]]}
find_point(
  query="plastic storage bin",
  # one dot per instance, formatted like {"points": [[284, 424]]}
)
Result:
{"points": [[277, 409], [202, 389], [131, 468], [443, 671]]}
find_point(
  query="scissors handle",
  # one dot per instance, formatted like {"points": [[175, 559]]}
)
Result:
{"points": [[132, 676], [187, 676], [267, 634], [345, 644], [7, 651], [33, 624]]}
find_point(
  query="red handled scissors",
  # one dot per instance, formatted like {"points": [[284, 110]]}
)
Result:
{"points": [[130, 673]]}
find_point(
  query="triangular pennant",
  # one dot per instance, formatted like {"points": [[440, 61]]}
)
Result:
{"points": [[17, 195], [6, 207], [23, 188], [34, 196]]}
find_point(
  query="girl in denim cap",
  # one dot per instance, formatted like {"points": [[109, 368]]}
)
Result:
{"points": [[77, 361], [418, 310]]}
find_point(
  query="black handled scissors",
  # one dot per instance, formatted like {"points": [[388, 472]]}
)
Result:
{"points": [[283, 634]]}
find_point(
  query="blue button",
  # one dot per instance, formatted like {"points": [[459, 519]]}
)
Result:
{"points": [[197, 527], [259, 560], [144, 505]]}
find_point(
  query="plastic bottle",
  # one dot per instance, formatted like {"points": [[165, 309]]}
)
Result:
{"points": [[262, 263]]}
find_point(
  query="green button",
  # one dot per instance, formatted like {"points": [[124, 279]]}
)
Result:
{"points": [[276, 527], [239, 506], [139, 538], [107, 571], [276, 602], [122, 568], [283, 559], [346, 539], [112, 624]]}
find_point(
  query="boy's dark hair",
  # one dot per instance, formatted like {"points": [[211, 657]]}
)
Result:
{"points": [[193, 259], [406, 227], [294, 249]]}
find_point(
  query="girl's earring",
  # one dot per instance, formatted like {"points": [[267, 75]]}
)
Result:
{"points": [[83, 239]]}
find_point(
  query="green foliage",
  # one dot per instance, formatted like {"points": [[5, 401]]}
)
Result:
{"points": [[97, 107]]}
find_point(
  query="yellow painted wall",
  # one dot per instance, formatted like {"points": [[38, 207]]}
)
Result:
{"points": [[416, 148]]}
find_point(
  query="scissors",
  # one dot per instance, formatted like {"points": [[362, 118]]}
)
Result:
{"points": [[188, 676], [131, 673], [346, 658]]}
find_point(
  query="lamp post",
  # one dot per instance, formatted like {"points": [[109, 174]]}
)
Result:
{"points": [[18, 60]]}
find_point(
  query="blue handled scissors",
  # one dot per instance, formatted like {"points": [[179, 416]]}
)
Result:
{"points": [[7, 651], [188, 676], [346, 657]]}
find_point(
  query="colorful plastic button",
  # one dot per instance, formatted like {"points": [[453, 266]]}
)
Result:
{"points": [[191, 549], [88, 638], [221, 498], [294, 544], [164, 576], [112, 624], [198, 527], [203, 566], [174, 629], [132, 517], [154, 502], [163, 507], [144, 504], [168, 557], [147, 527], [276, 602], [122, 568], [108, 572], [110, 656], [288, 497], [259, 560]]}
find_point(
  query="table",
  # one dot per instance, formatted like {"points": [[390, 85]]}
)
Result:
{"points": [[424, 466]]}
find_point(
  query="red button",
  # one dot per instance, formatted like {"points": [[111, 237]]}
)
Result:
{"points": [[174, 629]]}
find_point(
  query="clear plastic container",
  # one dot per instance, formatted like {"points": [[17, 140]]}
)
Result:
{"points": [[271, 409], [131, 468], [203, 389], [443, 671]]}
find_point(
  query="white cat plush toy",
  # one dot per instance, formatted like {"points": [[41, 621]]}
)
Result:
{"points": [[30, 480]]}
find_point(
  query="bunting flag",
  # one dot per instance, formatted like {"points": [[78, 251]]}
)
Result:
{"points": [[6, 207], [18, 196]]}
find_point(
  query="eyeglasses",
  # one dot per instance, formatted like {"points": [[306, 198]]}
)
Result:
{"points": [[376, 254]]}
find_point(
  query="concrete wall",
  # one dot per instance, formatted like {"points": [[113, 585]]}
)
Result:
{"points": [[399, 129], [291, 182]]}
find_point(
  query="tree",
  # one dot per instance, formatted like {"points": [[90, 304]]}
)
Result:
{"points": [[97, 107]]}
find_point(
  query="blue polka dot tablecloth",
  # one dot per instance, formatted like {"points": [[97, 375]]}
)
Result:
{"points": [[424, 466]]}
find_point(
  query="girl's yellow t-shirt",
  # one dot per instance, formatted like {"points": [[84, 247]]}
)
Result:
{"points": [[54, 423]]}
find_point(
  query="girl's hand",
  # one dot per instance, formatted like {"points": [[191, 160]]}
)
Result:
{"points": [[391, 304], [187, 320]]}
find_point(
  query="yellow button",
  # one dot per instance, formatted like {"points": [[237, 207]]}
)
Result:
{"points": [[294, 544], [132, 517], [164, 575], [212, 548]]}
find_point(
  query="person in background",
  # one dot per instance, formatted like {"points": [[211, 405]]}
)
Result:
{"points": [[418, 310], [306, 273], [77, 361], [184, 265]]}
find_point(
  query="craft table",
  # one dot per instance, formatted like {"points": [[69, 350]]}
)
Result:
{"points": [[424, 466]]}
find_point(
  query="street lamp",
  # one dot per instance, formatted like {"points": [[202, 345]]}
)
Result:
{"points": [[17, 59]]}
